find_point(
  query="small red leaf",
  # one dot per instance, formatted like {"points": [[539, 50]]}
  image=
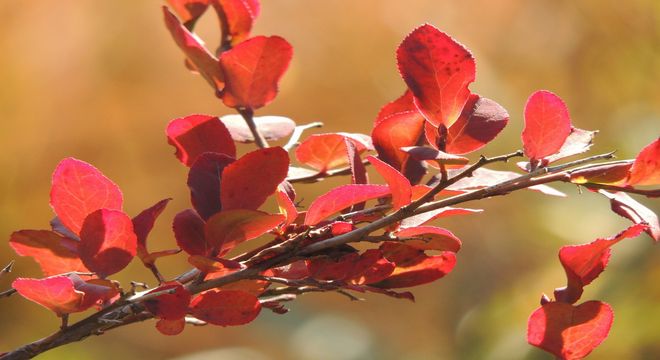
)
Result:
{"points": [[437, 70], [413, 267], [340, 198], [79, 189], [370, 268], [570, 332], [189, 10], [194, 135], [169, 306], [629, 208], [253, 70], [327, 269], [611, 174], [143, 223], [430, 238], [646, 168], [327, 151], [171, 327], [287, 207], [400, 130], [107, 241], [405, 103], [54, 253], [250, 180], [271, 127], [358, 170], [227, 229], [226, 307], [399, 186], [239, 15], [547, 125], [204, 180], [189, 233], [199, 57]]}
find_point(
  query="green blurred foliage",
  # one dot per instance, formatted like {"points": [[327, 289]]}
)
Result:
{"points": [[99, 80]]}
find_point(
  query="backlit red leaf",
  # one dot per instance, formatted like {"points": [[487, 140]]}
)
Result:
{"points": [[107, 241], [629, 208], [189, 233], [340, 198], [253, 69], [169, 306], [144, 222], [430, 238], [646, 168], [570, 332], [226, 307], [271, 127], [198, 56], [250, 180], [171, 327], [204, 180], [227, 229], [189, 10], [286, 205], [405, 103], [327, 269], [370, 268], [437, 70], [395, 132], [611, 174], [240, 15], [399, 186], [79, 189], [327, 151], [413, 267], [54, 253], [194, 135], [547, 125]]}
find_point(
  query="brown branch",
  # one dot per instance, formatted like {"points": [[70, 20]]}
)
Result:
{"points": [[248, 116]]}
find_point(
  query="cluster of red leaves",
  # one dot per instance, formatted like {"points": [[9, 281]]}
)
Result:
{"points": [[436, 121]]}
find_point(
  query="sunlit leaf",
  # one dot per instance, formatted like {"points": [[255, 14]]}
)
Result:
{"points": [[54, 253], [226, 307], [194, 135], [107, 241], [340, 198], [547, 125], [227, 229]]}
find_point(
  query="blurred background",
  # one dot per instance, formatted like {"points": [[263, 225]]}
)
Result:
{"points": [[99, 80]]}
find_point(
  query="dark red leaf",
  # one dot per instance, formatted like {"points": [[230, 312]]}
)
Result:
{"points": [[169, 306], [547, 125], [399, 186], [340, 198], [226, 307], [253, 70], [570, 332], [204, 180], [227, 229], [79, 189], [341, 227], [271, 127], [198, 56], [646, 168], [327, 269], [107, 241], [54, 253], [240, 15], [327, 151], [430, 238], [358, 170], [144, 222], [171, 327], [189, 233], [437, 70], [250, 180], [194, 135], [629, 208]]}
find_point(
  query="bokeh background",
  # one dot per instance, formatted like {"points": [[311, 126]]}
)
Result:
{"points": [[99, 80]]}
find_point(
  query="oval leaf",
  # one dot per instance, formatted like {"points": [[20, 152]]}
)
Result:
{"points": [[240, 16], [430, 238], [194, 135], [189, 233], [340, 198], [547, 125], [226, 307], [480, 122], [227, 229], [107, 241], [54, 253], [646, 168], [327, 151], [204, 180]]}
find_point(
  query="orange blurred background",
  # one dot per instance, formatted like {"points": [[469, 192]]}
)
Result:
{"points": [[99, 80]]}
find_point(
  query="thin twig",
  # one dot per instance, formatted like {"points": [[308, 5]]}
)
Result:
{"points": [[248, 116], [297, 133]]}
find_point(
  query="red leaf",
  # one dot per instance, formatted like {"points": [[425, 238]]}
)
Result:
{"points": [[169, 306], [395, 132], [612, 174], [480, 122], [107, 241], [253, 69], [143, 223], [437, 70], [200, 58], [372, 267], [240, 15], [646, 168], [583, 263], [340, 198], [341, 227], [189, 10], [287, 207], [570, 332], [327, 151], [547, 125], [189, 233], [213, 265], [226, 307], [271, 127], [399, 186], [54, 253], [171, 327], [430, 238], [327, 269], [484, 177], [250, 180], [204, 180], [194, 135], [79, 189], [405, 103], [413, 267], [629, 208], [426, 217], [358, 170], [227, 229], [294, 271]]}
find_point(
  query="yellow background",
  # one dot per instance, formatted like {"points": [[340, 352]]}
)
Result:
{"points": [[99, 80]]}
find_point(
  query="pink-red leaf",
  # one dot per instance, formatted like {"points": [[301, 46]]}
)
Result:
{"points": [[226, 307], [646, 168], [567, 331], [430, 238], [438, 70], [227, 229], [204, 180], [143, 223], [405, 103], [253, 70], [271, 127], [194, 135], [327, 151], [169, 306], [286, 205], [413, 267], [395, 132], [171, 327], [340, 198], [189, 233], [79, 189], [629, 208], [547, 125], [107, 241], [250, 180], [54, 253], [399, 186]]}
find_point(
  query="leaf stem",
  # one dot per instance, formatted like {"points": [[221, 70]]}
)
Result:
{"points": [[248, 116]]}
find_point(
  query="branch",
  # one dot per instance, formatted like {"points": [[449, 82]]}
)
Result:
{"points": [[248, 116]]}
